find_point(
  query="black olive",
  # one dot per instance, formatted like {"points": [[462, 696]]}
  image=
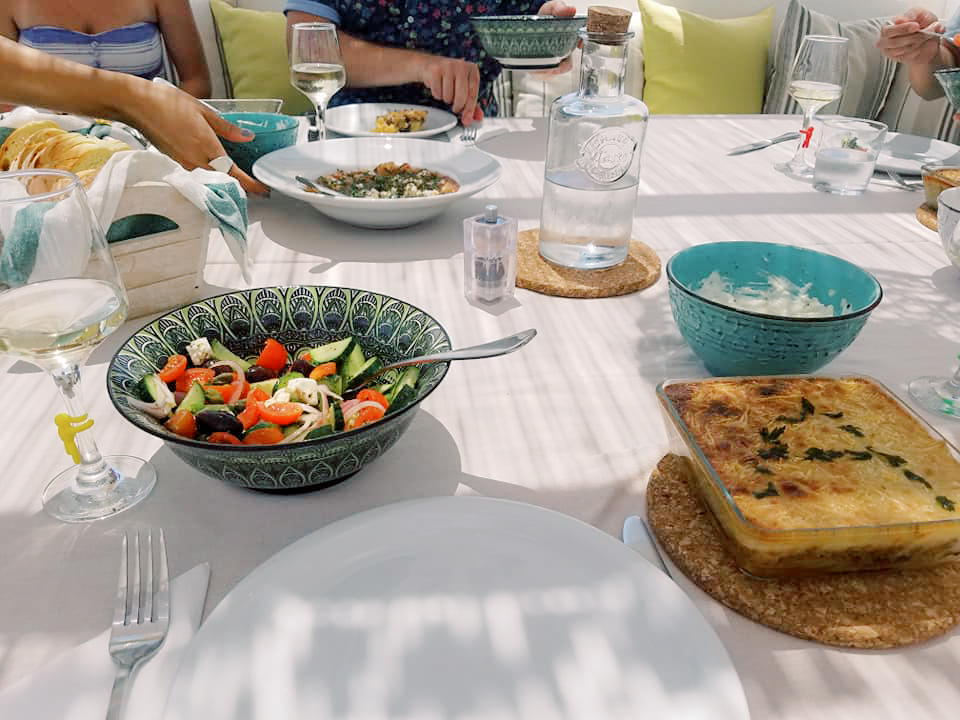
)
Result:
{"points": [[304, 367], [256, 373], [211, 421], [221, 369]]}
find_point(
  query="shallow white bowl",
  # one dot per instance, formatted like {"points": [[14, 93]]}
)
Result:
{"points": [[472, 169]]}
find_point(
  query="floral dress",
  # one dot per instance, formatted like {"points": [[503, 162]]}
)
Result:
{"points": [[433, 26]]}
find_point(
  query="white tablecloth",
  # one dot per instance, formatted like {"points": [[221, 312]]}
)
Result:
{"points": [[570, 422]]}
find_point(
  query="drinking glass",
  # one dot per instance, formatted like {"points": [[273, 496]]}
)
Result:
{"points": [[817, 78], [316, 68], [937, 393], [60, 295]]}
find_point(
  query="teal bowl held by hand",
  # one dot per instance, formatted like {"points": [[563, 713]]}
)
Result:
{"points": [[732, 341], [272, 131]]}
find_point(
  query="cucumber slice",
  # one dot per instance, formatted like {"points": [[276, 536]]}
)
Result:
{"points": [[152, 389], [352, 364], [332, 352], [268, 386], [321, 431], [406, 380], [194, 400], [334, 382], [221, 352], [369, 368], [404, 396]]}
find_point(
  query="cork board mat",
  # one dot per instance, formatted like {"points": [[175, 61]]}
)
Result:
{"points": [[927, 217], [880, 609], [641, 269]]}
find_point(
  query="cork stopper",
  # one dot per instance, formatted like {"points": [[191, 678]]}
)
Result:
{"points": [[607, 20]]}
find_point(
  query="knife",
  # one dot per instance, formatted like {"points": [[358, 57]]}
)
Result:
{"points": [[637, 536], [760, 144]]}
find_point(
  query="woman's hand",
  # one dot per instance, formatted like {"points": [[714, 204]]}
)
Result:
{"points": [[186, 130]]}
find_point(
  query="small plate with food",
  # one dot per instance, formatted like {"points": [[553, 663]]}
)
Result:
{"points": [[376, 119], [384, 183]]}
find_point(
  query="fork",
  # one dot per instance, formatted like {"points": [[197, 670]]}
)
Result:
{"points": [[142, 614], [469, 134], [899, 180]]}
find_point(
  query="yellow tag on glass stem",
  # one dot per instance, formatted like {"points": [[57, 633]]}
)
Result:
{"points": [[67, 429]]}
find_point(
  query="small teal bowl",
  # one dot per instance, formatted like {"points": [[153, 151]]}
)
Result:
{"points": [[272, 131], [731, 341], [949, 79]]}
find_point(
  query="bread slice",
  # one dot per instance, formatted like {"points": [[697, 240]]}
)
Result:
{"points": [[33, 147], [96, 156], [16, 140]]}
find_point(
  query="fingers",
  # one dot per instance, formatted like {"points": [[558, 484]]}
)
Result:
{"points": [[455, 82], [249, 184]]}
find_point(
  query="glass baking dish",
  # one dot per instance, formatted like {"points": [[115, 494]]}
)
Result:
{"points": [[806, 475]]}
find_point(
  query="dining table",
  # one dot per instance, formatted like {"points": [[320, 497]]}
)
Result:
{"points": [[570, 422]]}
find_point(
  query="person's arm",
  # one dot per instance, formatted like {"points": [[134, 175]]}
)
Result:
{"points": [[452, 80], [177, 123], [180, 35], [901, 41]]}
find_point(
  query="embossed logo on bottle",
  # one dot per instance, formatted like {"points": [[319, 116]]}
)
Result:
{"points": [[606, 155]]}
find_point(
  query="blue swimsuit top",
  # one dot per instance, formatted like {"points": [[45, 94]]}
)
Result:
{"points": [[134, 49]]}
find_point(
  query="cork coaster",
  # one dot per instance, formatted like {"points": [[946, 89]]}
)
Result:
{"points": [[927, 217], [880, 609], [641, 269]]}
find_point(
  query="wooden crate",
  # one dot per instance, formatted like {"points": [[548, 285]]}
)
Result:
{"points": [[163, 270]]}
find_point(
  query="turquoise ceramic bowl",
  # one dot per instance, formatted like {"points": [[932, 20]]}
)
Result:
{"points": [[300, 317], [528, 42], [272, 131], [949, 79], [731, 341]]}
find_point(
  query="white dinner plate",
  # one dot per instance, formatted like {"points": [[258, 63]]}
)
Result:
{"points": [[456, 608], [472, 169], [906, 154], [358, 120]]}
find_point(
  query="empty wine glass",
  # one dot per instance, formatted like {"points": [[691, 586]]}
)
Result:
{"points": [[60, 295], [316, 68], [817, 78], [937, 393]]}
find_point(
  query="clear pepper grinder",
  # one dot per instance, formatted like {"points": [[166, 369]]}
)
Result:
{"points": [[594, 139], [489, 256]]}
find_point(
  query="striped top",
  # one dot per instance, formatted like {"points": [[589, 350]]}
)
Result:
{"points": [[135, 49]]}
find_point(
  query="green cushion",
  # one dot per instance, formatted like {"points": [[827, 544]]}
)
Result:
{"points": [[694, 64], [255, 55]]}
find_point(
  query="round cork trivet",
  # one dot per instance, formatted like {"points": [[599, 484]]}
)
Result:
{"points": [[879, 609], [928, 217], [641, 269]]}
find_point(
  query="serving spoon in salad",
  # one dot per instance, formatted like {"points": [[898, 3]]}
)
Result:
{"points": [[493, 348]]}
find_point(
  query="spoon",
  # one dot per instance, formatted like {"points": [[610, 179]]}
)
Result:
{"points": [[322, 189], [493, 348]]}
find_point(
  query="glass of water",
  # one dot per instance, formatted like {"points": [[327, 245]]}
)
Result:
{"points": [[847, 155]]}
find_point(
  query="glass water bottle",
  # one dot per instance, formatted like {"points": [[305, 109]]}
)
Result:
{"points": [[592, 168]]}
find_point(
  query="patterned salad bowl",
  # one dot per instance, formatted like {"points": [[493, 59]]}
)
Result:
{"points": [[528, 42], [300, 317]]}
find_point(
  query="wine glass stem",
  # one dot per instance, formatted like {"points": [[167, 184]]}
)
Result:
{"points": [[321, 125], [93, 472], [951, 388], [798, 161]]}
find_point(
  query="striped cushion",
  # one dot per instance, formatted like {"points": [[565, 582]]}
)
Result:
{"points": [[869, 73], [905, 111]]}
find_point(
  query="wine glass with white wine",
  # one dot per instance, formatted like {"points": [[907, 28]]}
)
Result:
{"points": [[817, 78], [316, 68], [60, 295]]}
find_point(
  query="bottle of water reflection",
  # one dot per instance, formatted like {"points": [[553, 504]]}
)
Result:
{"points": [[594, 140]]}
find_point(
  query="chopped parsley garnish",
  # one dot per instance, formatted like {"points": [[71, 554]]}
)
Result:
{"points": [[763, 470], [834, 415], [768, 491], [894, 460], [772, 435], [822, 455], [859, 454], [807, 407], [777, 451], [913, 477], [853, 430], [946, 503]]}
